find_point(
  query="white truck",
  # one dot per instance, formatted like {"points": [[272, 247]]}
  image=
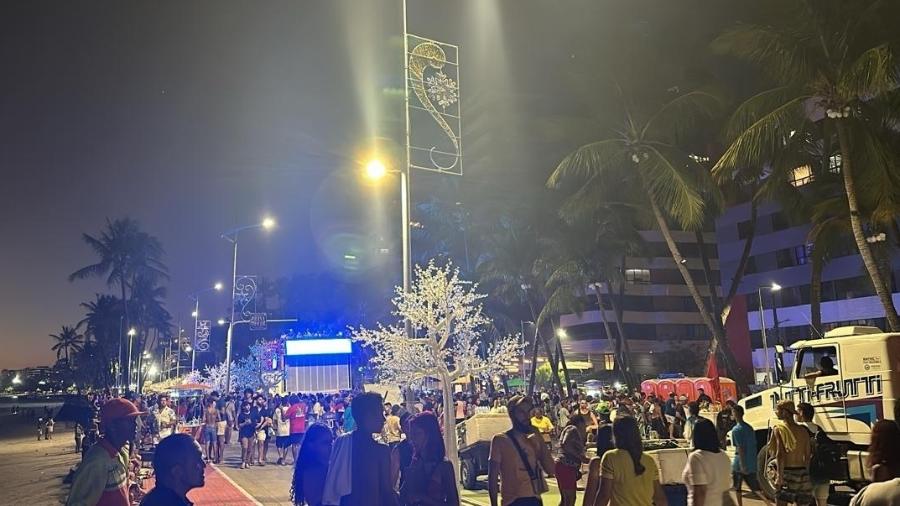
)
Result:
{"points": [[861, 388]]}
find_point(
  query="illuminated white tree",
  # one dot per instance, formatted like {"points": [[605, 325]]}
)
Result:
{"points": [[446, 321]]}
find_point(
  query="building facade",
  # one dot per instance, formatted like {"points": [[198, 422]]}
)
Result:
{"points": [[663, 327], [780, 258]]}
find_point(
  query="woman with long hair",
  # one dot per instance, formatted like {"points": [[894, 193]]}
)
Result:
{"points": [[628, 476], [311, 467], [884, 459], [429, 480], [707, 474], [604, 444]]}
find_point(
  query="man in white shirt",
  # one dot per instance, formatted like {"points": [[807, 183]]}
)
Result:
{"points": [[166, 418]]}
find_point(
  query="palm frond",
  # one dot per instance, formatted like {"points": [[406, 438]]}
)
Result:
{"points": [[667, 178], [785, 55], [590, 159], [764, 136], [874, 72], [682, 114]]}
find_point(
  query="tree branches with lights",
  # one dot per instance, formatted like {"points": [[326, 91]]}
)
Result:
{"points": [[445, 318]]}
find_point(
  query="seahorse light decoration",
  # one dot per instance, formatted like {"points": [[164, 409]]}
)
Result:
{"points": [[424, 55]]}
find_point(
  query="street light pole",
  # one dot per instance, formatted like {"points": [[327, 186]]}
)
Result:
{"points": [[762, 328], [131, 333], [194, 346], [404, 173], [230, 332]]}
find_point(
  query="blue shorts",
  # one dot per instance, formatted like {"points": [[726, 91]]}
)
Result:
{"points": [[209, 434]]}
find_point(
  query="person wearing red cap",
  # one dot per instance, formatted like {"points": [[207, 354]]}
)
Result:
{"points": [[102, 476]]}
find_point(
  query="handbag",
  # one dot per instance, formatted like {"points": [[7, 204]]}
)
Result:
{"points": [[538, 483]]}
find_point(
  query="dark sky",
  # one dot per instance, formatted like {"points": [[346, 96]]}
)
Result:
{"points": [[194, 117]]}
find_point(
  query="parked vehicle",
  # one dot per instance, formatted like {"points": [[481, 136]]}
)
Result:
{"points": [[859, 388]]}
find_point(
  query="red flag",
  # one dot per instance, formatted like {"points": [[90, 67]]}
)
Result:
{"points": [[712, 372]]}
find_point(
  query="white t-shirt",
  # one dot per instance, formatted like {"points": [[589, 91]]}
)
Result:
{"points": [[282, 427], [166, 417], [885, 493], [710, 469]]}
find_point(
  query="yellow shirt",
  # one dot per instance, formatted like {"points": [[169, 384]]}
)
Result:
{"points": [[544, 426], [629, 489]]}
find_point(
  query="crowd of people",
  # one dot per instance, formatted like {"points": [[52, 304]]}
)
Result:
{"points": [[355, 449]]}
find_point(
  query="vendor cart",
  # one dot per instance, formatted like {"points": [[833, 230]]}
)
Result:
{"points": [[474, 440]]}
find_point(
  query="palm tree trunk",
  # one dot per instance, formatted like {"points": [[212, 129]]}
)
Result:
{"points": [[884, 295], [565, 369], [745, 257], [718, 339], [606, 328], [618, 316], [554, 365], [815, 291]]}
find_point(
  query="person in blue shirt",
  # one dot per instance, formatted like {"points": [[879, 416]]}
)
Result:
{"points": [[743, 464]]}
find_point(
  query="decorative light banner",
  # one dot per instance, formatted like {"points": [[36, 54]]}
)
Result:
{"points": [[202, 334], [303, 347], [245, 296], [433, 105]]}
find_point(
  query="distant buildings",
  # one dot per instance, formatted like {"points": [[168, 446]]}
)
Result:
{"points": [[661, 321], [780, 255]]}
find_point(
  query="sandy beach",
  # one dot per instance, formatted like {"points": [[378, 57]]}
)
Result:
{"points": [[33, 470]]}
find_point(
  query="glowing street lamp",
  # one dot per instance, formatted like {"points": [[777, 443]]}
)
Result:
{"points": [[131, 333], [375, 169], [221, 321], [561, 333], [774, 287]]}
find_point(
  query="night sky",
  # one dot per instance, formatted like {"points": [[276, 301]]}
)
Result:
{"points": [[194, 117]]}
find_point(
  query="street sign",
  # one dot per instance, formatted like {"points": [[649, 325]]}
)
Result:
{"points": [[202, 343], [257, 321]]}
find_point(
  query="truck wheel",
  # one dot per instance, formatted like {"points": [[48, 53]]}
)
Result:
{"points": [[468, 474], [766, 470]]}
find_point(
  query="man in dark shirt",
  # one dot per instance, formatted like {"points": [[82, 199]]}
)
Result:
{"points": [[179, 467], [702, 397], [669, 408], [371, 482]]}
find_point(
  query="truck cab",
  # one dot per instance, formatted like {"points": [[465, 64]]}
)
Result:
{"points": [[851, 377]]}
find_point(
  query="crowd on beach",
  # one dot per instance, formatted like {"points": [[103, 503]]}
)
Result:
{"points": [[352, 448]]}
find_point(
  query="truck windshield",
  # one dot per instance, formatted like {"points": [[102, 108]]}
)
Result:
{"points": [[819, 361]]}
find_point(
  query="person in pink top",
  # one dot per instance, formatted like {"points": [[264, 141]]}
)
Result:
{"points": [[296, 413]]}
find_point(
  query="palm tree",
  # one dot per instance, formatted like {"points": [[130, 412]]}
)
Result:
{"points": [[104, 328], [832, 63], [124, 252], [508, 270], [67, 340], [643, 162]]}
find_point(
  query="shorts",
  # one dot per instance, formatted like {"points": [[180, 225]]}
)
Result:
{"points": [[749, 478], [797, 485], [209, 434], [221, 427], [260, 435], [297, 438], [566, 476], [821, 490], [282, 441]]}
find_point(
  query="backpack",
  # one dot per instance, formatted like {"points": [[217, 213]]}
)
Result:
{"points": [[826, 464]]}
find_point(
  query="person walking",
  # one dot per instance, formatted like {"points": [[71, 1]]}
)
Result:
{"points": [[359, 471], [429, 479], [246, 434], [743, 464], [571, 456], [805, 415], [210, 423], [102, 476], [706, 474], [628, 476], [178, 468], [517, 459], [283, 431], [230, 418], [793, 448], [311, 466], [296, 414]]}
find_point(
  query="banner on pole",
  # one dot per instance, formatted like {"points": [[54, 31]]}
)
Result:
{"points": [[433, 105], [258, 321], [202, 343]]}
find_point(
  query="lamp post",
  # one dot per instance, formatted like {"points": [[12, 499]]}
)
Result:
{"points": [[196, 314], [375, 169], [131, 333], [774, 287], [232, 237]]}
